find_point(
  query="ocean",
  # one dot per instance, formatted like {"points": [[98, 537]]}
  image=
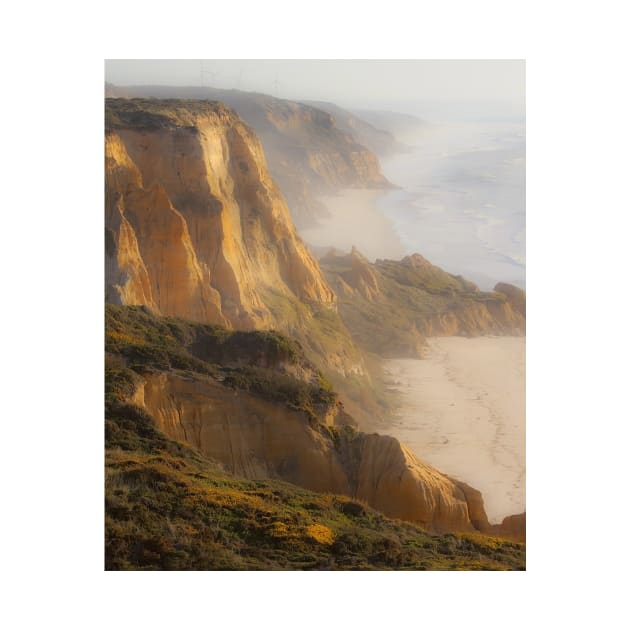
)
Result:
{"points": [[461, 198]]}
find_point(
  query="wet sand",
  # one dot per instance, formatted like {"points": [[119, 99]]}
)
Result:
{"points": [[355, 220], [463, 410]]}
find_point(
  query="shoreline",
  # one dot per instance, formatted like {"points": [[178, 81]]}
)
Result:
{"points": [[462, 410]]}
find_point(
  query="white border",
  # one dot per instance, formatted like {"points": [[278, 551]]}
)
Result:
{"points": [[577, 348]]}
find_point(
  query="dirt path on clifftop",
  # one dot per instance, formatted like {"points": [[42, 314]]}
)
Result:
{"points": [[463, 411]]}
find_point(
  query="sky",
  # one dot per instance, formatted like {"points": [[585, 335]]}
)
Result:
{"points": [[356, 83]]}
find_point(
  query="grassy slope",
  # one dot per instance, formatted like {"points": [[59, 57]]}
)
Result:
{"points": [[167, 507], [149, 114], [137, 341], [322, 333]]}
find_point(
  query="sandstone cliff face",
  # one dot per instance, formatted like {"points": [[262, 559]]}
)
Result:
{"points": [[308, 153], [252, 437], [195, 225], [472, 319], [255, 438]]}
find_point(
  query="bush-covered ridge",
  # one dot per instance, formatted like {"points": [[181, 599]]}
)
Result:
{"points": [[165, 513], [144, 114], [259, 362]]}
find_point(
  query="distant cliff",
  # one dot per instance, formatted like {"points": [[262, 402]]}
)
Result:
{"points": [[377, 140], [392, 306], [309, 154]]}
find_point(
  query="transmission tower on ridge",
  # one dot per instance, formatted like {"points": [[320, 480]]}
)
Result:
{"points": [[203, 72]]}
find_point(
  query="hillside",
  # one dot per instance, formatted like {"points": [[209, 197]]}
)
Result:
{"points": [[172, 497], [254, 403], [392, 306], [309, 153], [167, 508]]}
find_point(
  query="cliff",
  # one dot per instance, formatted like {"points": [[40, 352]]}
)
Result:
{"points": [[377, 140], [392, 306], [258, 439], [309, 154], [253, 403], [197, 228]]}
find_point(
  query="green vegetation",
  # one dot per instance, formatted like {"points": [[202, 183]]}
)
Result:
{"points": [[260, 362], [167, 507], [297, 394], [319, 330], [427, 277], [144, 114], [168, 512], [130, 330], [322, 334]]}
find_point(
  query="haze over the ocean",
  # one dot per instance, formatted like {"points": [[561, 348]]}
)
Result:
{"points": [[461, 196], [496, 84]]}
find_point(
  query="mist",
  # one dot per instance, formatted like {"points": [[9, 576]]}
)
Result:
{"points": [[449, 135], [351, 83], [459, 196]]}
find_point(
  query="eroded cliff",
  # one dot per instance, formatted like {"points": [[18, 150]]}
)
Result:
{"points": [[197, 228], [257, 439], [209, 225]]}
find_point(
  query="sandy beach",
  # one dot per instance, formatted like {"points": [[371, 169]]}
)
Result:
{"points": [[356, 220], [463, 410]]}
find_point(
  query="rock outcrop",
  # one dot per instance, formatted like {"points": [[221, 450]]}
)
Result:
{"points": [[392, 306]]}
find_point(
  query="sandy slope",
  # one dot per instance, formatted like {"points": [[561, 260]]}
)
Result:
{"points": [[355, 220], [463, 410]]}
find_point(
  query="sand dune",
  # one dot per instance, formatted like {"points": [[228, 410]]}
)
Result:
{"points": [[463, 411]]}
